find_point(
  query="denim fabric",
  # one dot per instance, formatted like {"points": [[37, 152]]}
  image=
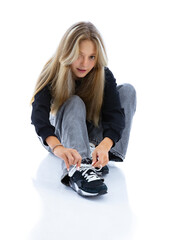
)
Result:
{"points": [[127, 96], [74, 132]]}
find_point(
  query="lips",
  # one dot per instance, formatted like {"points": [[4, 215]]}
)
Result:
{"points": [[81, 70]]}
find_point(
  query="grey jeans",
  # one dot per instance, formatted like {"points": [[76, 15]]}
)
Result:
{"points": [[71, 128]]}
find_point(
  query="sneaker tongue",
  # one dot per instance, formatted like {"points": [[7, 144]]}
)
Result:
{"points": [[86, 161]]}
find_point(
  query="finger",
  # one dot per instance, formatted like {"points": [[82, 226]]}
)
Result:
{"points": [[78, 159], [67, 165], [99, 159], [94, 157], [64, 157], [98, 164], [78, 164], [71, 159], [103, 160]]}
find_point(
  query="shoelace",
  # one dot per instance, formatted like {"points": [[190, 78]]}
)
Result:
{"points": [[92, 176]]}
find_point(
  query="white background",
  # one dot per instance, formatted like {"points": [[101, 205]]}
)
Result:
{"points": [[149, 45]]}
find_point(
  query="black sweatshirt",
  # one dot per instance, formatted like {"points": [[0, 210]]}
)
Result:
{"points": [[113, 118]]}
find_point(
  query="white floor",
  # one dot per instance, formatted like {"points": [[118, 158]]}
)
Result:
{"points": [[64, 214], [150, 194]]}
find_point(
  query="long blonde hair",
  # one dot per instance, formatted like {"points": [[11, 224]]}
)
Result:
{"points": [[57, 71]]}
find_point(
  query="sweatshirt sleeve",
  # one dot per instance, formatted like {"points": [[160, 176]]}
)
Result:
{"points": [[40, 114], [113, 117]]}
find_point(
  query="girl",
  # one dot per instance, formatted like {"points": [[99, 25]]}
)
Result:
{"points": [[90, 116]]}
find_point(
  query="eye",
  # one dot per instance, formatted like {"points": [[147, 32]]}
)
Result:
{"points": [[92, 57]]}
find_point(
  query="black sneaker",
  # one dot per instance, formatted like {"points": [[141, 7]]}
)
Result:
{"points": [[102, 171], [85, 181]]}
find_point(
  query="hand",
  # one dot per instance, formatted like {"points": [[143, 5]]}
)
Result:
{"points": [[70, 156], [100, 156]]}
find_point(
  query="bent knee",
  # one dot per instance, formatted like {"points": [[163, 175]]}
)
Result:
{"points": [[76, 102], [128, 94], [127, 90]]}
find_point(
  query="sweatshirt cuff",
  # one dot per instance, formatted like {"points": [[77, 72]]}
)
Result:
{"points": [[112, 135], [45, 134]]}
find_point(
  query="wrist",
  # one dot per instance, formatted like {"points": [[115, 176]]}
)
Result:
{"points": [[53, 143], [54, 147], [107, 143]]}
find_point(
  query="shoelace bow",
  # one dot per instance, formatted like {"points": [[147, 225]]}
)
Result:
{"points": [[91, 176]]}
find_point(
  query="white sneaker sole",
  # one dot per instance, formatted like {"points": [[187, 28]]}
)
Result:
{"points": [[83, 193]]}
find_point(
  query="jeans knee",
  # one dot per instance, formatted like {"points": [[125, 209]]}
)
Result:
{"points": [[77, 103], [129, 89], [127, 92]]}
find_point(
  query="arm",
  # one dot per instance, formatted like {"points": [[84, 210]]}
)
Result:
{"points": [[113, 117], [44, 129], [70, 156], [113, 120], [40, 114]]}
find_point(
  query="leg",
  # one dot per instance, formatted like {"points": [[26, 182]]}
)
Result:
{"points": [[70, 126], [71, 129], [127, 95]]}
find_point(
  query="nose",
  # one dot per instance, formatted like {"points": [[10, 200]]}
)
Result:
{"points": [[84, 62]]}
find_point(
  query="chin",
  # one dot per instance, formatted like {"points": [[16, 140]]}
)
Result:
{"points": [[81, 75]]}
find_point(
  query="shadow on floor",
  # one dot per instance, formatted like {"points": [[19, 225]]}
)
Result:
{"points": [[66, 215]]}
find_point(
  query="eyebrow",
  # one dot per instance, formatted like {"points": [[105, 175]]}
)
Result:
{"points": [[90, 54]]}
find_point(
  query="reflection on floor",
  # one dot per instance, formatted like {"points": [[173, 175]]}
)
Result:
{"points": [[66, 215]]}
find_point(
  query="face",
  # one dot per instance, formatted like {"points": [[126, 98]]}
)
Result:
{"points": [[86, 60]]}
